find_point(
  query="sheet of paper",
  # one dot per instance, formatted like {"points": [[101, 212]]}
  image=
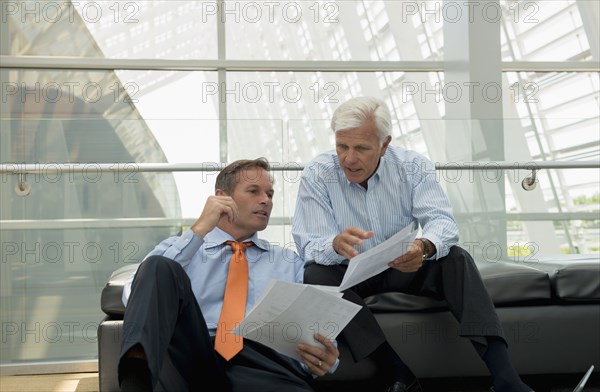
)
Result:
{"points": [[267, 308], [290, 313], [376, 259], [333, 290]]}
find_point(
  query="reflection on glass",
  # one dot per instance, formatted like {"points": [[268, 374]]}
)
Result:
{"points": [[118, 29]]}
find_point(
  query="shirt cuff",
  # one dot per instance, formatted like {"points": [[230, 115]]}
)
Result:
{"points": [[329, 256], [440, 249], [335, 366]]}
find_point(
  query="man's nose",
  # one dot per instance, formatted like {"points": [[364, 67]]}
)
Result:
{"points": [[351, 156], [265, 199]]}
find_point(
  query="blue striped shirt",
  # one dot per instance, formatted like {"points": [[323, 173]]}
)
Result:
{"points": [[206, 262], [404, 190]]}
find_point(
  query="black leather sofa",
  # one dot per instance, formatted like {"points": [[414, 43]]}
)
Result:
{"points": [[550, 311]]}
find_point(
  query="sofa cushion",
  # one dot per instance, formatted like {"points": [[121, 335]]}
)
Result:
{"points": [[507, 283], [573, 277], [111, 301], [510, 283]]}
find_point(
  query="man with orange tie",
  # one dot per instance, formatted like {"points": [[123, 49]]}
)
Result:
{"points": [[191, 290]]}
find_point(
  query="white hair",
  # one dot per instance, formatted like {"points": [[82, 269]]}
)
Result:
{"points": [[357, 111]]}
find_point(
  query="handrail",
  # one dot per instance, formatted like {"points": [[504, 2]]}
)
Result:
{"points": [[132, 223], [95, 169], [92, 63], [55, 168]]}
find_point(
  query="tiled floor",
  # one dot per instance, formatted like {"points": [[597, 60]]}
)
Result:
{"points": [[79, 382]]}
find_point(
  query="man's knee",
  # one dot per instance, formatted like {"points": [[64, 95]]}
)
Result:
{"points": [[320, 274], [314, 273], [460, 257], [160, 268], [159, 264]]}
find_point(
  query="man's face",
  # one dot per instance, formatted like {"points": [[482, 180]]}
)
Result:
{"points": [[358, 151], [253, 195]]}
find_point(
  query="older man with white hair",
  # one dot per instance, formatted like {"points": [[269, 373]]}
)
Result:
{"points": [[361, 194]]}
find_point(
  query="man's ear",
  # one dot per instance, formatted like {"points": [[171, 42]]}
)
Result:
{"points": [[220, 192], [386, 143]]}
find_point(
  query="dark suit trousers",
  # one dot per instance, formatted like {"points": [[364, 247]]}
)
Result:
{"points": [[163, 316], [454, 278]]}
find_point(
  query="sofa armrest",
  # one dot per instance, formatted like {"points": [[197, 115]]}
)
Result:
{"points": [[111, 301]]}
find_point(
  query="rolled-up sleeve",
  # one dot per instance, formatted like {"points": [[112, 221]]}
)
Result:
{"points": [[314, 226], [432, 208]]}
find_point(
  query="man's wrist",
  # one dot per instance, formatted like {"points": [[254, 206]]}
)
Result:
{"points": [[200, 229], [333, 244], [425, 247]]}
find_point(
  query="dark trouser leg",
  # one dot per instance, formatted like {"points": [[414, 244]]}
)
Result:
{"points": [[456, 279], [363, 334], [163, 316], [258, 368]]}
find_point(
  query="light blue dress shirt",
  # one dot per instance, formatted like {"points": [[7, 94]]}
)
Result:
{"points": [[403, 190], [206, 262]]}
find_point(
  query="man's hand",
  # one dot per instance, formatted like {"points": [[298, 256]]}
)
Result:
{"points": [[319, 360], [215, 208], [345, 242], [411, 260]]}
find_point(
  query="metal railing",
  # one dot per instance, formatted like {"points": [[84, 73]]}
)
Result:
{"points": [[109, 64], [33, 168], [23, 188], [23, 169]]}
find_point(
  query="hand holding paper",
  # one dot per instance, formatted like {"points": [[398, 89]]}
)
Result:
{"points": [[291, 313], [376, 260]]}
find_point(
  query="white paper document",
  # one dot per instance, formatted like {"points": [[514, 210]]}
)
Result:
{"points": [[291, 313], [375, 260]]}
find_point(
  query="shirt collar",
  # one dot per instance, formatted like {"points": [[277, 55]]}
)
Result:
{"points": [[380, 172], [218, 237]]}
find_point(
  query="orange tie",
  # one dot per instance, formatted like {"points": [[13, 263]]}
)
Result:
{"points": [[234, 302]]}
